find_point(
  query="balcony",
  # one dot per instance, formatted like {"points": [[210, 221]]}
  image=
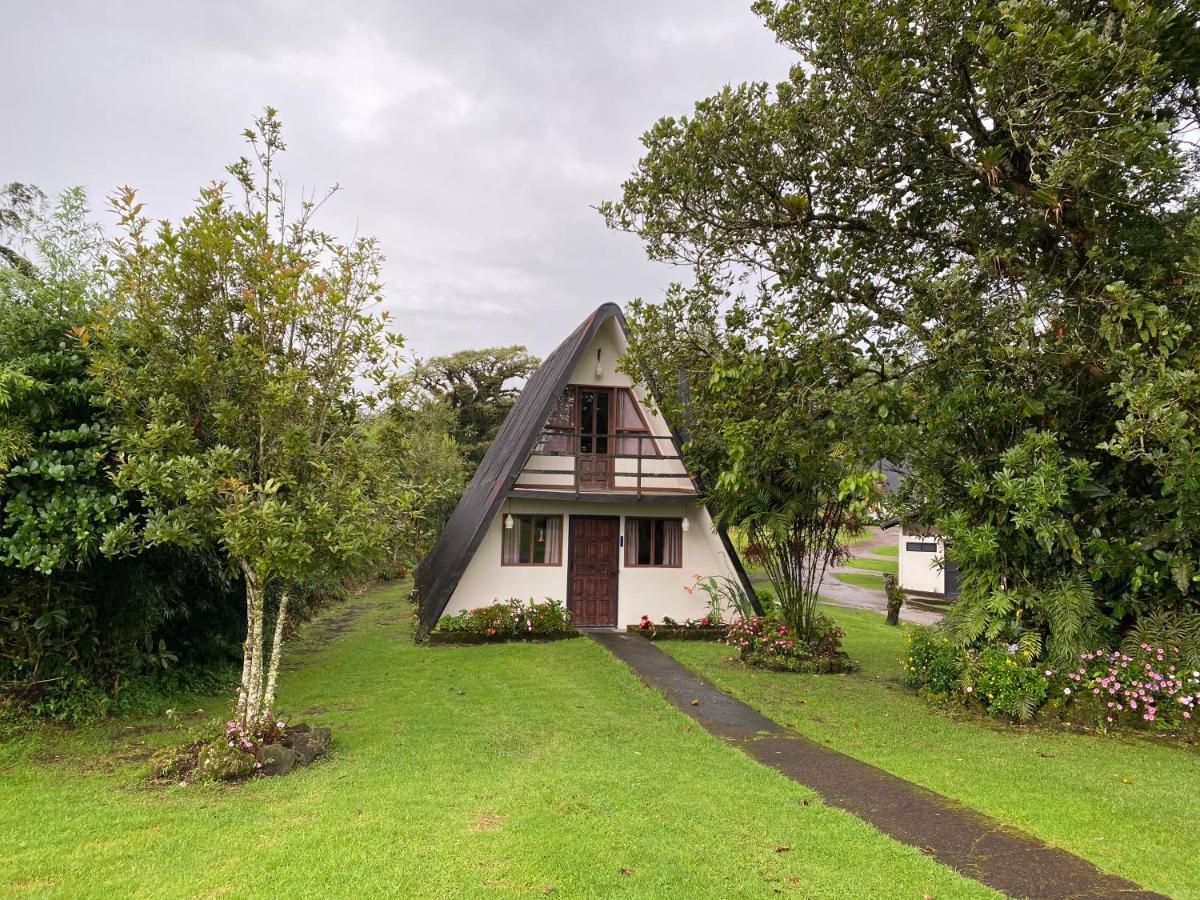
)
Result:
{"points": [[599, 466]]}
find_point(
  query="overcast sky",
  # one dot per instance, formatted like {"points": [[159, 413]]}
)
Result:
{"points": [[473, 139]]}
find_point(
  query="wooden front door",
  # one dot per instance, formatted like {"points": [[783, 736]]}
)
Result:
{"points": [[592, 571], [595, 421]]}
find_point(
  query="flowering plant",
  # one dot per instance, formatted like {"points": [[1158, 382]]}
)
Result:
{"points": [[768, 644], [1147, 687], [510, 619], [1005, 683], [269, 730]]}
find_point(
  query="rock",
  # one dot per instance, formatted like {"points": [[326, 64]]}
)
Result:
{"points": [[276, 759], [323, 734], [305, 749], [308, 743]]}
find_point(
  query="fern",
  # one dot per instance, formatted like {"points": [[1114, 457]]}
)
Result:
{"points": [[1168, 628], [1073, 620]]}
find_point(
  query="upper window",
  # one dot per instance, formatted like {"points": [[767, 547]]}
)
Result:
{"points": [[533, 541], [632, 431], [654, 542], [558, 437]]}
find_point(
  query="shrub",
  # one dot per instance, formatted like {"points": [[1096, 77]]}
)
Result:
{"points": [[768, 644], [934, 662], [1005, 683], [510, 619]]}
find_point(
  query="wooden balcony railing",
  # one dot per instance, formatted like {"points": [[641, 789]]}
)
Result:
{"points": [[596, 461]]}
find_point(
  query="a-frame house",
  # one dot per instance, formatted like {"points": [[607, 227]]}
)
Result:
{"points": [[582, 498]]}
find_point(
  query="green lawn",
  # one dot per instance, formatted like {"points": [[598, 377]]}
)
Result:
{"points": [[886, 550], [875, 582], [473, 771], [1126, 803], [890, 566]]}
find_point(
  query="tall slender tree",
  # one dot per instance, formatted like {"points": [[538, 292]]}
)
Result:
{"points": [[238, 357]]}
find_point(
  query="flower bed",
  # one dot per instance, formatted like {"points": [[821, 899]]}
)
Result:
{"points": [[1146, 688], [510, 620], [704, 629], [767, 644], [271, 748]]}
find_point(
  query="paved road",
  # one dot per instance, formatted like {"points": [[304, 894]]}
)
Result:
{"points": [[841, 594]]}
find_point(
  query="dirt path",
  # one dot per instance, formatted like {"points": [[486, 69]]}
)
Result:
{"points": [[1010, 861]]}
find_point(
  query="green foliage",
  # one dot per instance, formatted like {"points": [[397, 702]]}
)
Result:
{"points": [[238, 358], [79, 633], [934, 662], [778, 438], [1054, 623], [986, 215], [478, 389], [724, 595], [218, 761], [56, 498], [1167, 628], [413, 443], [1006, 684], [510, 620]]}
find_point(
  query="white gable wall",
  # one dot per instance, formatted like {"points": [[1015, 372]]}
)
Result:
{"points": [[610, 341], [655, 592]]}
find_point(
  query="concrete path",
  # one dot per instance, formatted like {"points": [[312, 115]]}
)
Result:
{"points": [[1010, 861]]}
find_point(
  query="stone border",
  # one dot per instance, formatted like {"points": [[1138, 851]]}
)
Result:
{"points": [[445, 638], [668, 633]]}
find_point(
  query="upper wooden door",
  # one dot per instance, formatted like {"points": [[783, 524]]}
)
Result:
{"points": [[592, 570], [595, 423]]}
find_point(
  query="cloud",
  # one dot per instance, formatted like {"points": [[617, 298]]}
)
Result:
{"points": [[472, 139]]}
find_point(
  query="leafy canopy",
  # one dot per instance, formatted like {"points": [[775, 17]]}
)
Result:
{"points": [[991, 207]]}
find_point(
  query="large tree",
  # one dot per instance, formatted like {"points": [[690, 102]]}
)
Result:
{"points": [[239, 357], [479, 387], [992, 206]]}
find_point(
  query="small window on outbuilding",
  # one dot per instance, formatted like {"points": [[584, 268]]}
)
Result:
{"points": [[920, 547]]}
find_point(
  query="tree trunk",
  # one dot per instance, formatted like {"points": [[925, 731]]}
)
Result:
{"points": [[276, 647], [251, 696], [243, 698]]}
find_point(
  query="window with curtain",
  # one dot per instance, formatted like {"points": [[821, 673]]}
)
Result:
{"points": [[533, 541], [558, 437], [629, 422], [654, 542]]}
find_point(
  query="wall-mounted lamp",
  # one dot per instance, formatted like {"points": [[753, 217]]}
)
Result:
{"points": [[686, 525], [508, 522], [599, 367]]}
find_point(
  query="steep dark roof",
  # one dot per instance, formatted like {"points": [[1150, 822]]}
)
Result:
{"points": [[438, 574]]}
